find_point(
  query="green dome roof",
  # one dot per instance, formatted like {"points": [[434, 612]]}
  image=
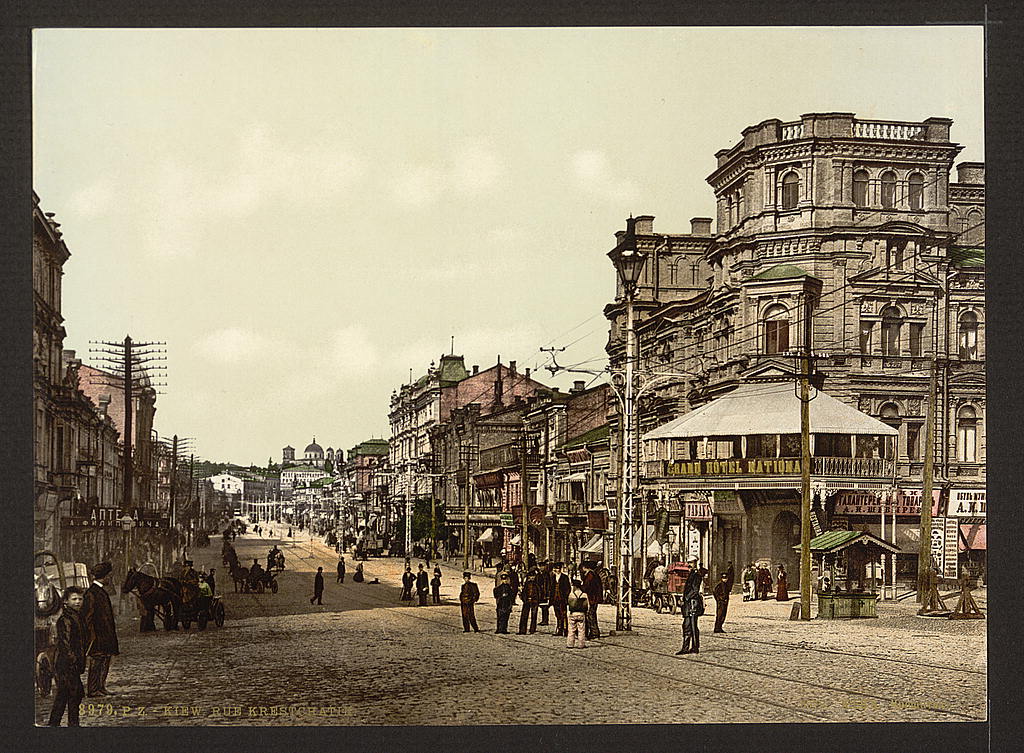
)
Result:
{"points": [[782, 272]]}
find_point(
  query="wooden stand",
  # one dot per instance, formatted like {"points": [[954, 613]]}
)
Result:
{"points": [[966, 607]]}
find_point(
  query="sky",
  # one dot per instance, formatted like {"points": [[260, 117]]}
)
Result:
{"points": [[304, 215]]}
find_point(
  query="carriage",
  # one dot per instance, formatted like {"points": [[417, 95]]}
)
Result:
{"points": [[202, 610], [669, 595]]}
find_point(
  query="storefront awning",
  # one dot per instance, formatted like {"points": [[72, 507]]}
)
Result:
{"points": [[973, 536], [581, 476], [516, 540], [772, 408], [593, 546], [486, 536], [908, 535]]}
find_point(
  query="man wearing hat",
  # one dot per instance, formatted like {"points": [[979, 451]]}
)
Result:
{"points": [[468, 596], [100, 631], [503, 602], [693, 607]]}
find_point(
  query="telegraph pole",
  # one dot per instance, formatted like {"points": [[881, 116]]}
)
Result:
{"points": [[524, 490], [174, 473], [128, 363], [924, 552], [805, 466]]}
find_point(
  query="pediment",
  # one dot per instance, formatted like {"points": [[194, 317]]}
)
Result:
{"points": [[772, 368], [882, 276]]}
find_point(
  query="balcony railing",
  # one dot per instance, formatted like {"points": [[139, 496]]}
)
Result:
{"points": [[792, 130], [852, 467], [872, 129]]}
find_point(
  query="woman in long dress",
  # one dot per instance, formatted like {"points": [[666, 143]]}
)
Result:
{"points": [[782, 593]]}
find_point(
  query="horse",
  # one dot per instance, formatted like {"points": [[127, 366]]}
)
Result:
{"points": [[159, 596], [240, 575]]}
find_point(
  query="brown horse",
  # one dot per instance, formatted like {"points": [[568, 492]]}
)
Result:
{"points": [[160, 597], [240, 576]]}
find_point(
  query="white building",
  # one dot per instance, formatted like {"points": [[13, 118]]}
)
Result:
{"points": [[227, 483]]}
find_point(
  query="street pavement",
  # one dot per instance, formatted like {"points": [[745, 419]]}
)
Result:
{"points": [[364, 657]]}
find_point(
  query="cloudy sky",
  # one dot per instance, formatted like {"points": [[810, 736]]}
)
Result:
{"points": [[306, 215]]}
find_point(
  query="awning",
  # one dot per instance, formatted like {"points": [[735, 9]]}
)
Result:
{"points": [[908, 535], [516, 540], [593, 546], [973, 536], [772, 408], [653, 547], [487, 535], [581, 476]]}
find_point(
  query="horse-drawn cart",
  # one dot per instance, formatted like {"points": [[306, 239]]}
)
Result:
{"points": [[51, 576]]}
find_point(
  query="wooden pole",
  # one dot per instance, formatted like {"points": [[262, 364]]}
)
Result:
{"points": [[805, 466], [924, 554]]}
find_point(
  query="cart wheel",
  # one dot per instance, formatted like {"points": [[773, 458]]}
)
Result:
{"points": [[672, 604], [186, 622], [259, 588], [218, 614], [201, 620], [273, 586], [659, 605]]}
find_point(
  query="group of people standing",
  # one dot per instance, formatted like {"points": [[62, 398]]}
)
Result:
{"points": [[85, 629], [757, 583], [423, 584]]}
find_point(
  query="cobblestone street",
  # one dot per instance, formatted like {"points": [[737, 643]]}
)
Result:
{"points": [[364, 657]]}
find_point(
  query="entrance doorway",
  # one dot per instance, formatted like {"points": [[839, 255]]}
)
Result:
{"points": [[786, 535]]}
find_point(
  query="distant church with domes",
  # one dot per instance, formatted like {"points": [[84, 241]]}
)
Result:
{"points": [[314, 455]]}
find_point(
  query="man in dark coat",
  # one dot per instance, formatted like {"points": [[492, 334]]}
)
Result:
{"points": [[764, 582], [546, 583], [503, 602], [531, 599], [595, 592], [318, 587], [560, 599], [341, 569], [69, 663], [468, 596], [721, 592], [693, 607], [100, 631], [211, 578], [408, 579], [513, 580], [422, 585]]}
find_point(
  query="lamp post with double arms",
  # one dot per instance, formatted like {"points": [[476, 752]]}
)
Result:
{"points": [[629, 263]]}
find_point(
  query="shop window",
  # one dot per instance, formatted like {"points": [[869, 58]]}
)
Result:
{"points": [[967, 435], [866, 333], [915, 191], [968, 336], [888, 189], [892, 324], [790, 190], [916, 339], [776, 329], [860, 188]]}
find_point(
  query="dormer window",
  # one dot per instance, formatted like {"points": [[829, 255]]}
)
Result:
{"points": [[776, 329], [790, 190]]}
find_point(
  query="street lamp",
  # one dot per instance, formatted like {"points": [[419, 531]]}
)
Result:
{"points": [[629, 263]]}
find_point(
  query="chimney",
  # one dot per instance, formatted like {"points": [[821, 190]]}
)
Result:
{"points": [[69, 355], [512, 366], [972, 173], [645, 224], [577, 386], [700, 226], [104, 404], [476, 369], [527, 372]]}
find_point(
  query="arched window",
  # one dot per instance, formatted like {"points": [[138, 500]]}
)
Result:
{"points": [[892, 324], [890, 415], [888, 189], [860, 188], [968, 336], [967, 435], [790, 190], [915, 191], [974, 230], [776, 329]]}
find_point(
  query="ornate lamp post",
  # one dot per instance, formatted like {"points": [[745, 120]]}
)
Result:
{"points": [[629, 263]]}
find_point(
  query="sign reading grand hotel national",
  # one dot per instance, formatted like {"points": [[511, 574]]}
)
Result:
{"points": [[735, 467]]}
